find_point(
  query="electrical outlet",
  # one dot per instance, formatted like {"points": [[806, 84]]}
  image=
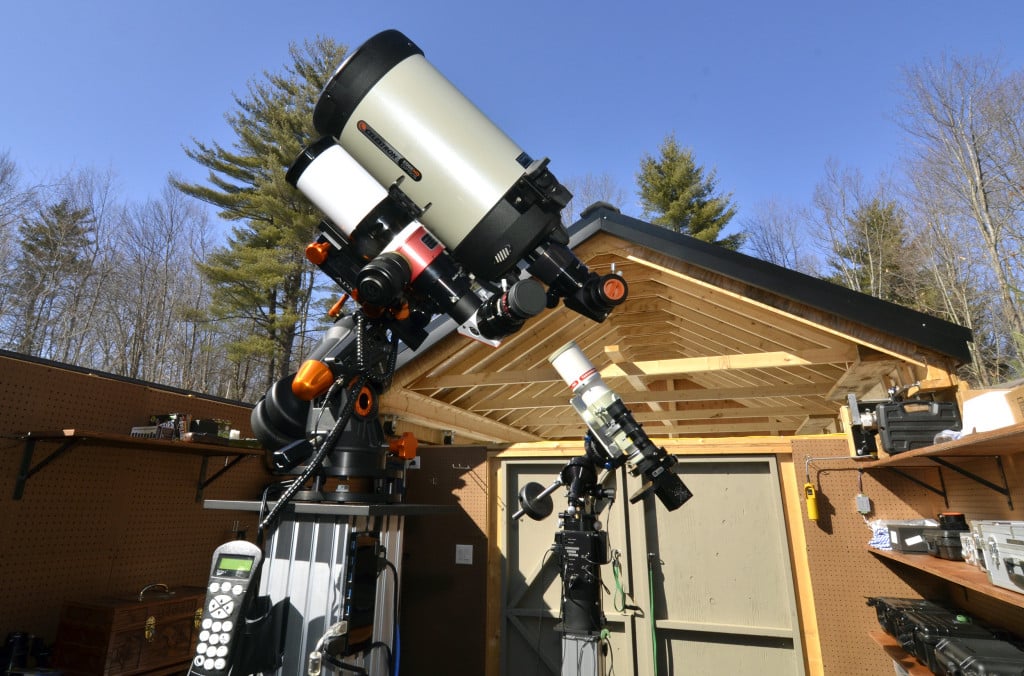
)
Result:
{"points": [[863, 503], [464, 555]]}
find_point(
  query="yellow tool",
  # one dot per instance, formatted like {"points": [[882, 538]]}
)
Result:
{"points": [[812, 501]]}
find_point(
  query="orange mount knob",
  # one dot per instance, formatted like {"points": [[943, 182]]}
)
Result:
{"points": [[312, 379], [404, 446], [316, 253]]}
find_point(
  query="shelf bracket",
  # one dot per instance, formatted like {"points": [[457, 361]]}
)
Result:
{"points": [[1003, 490], [204, 482], [938, 491], [28, 470]]}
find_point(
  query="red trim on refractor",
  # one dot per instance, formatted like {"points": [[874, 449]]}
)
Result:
{"points": [[579, 381]]}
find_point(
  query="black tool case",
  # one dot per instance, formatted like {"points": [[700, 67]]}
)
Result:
{"points": [[890, 610], [906, 425], [944, 543], [920, 632], [978, 657]]}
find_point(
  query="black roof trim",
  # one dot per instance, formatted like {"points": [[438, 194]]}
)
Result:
{"points": [[919, 328], [124, 379]]}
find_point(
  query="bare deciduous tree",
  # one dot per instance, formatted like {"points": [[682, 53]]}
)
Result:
{"points": [[955, 112], [588, 190], [58, 268], [15, 202], [777, 233]]}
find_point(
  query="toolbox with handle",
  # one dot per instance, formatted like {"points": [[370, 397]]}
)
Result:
{"points": [[978, 657], [148, 632], [906, 425], [1006, 567], [921, 632]]}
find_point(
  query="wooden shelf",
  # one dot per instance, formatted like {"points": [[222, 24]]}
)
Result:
{"points": [[85, 438], [994, 445], [67, 439], [894, 650], [1003, 441], [957, 572]]}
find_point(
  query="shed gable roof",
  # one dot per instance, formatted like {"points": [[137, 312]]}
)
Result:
{"points": [[709, 343]]}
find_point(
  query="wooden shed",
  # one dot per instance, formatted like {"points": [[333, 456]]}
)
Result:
{"points": [[738, 367], [741, 369], [710, 343]]}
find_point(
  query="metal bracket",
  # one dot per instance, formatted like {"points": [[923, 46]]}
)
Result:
{"points": [[938, 491], [1003, 490], [204, 482], [27, 469]]}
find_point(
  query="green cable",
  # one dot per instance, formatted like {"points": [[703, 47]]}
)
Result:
{"points": [[619, 600], [654, 637]]}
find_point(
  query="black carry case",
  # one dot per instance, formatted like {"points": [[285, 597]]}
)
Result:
{"points": [[944, 543], [906, 425], [890, 610], [978, 657], [920, 632]]}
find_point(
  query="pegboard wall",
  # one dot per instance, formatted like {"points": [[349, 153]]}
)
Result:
{"points": [[843, 571], [442, 598], [99, 521]]}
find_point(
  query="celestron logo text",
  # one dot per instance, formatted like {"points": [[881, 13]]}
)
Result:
{"points": [[389, 150]]}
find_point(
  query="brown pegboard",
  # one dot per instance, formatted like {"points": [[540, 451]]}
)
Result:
{"points": [[844, 573], [100, 521], [442, 599]]}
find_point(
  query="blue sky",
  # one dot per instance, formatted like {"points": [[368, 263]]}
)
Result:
{"points": [[764, 93]]}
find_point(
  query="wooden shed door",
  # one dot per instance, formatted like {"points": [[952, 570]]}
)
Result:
{"points": [[719, 567]]}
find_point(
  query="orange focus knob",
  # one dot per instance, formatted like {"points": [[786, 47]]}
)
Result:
{"points": [[404, 446], [313, 379], [614, 289], [317, 252]]}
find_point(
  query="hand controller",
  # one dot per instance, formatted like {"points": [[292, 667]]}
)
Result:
{"points": [[232, 571]]}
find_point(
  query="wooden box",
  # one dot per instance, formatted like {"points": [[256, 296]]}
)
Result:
{"points": [[114, 636]]}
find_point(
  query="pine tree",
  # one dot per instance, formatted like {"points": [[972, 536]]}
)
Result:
{"points": [[876, 257], [675, 190], [261, 279]]}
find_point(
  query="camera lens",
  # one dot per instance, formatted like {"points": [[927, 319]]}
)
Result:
{"points": [[526, 299], [504, 313], [381, 280]]}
